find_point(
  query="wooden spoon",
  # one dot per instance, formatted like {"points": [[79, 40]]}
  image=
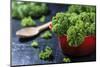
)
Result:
{"points": [[31, 31]]}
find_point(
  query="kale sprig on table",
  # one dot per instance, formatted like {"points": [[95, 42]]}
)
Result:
{"points": [[76, 23], [46, 54], [27, 21]]}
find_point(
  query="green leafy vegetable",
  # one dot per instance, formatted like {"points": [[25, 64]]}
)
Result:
{"points": [[60, 23], [46, 35], [66, 60], [75, 34], [90, 29], [46, 54], [87, 17], [76, 23], [42, 19], [27, 21], [75, 8], [24, 9], [34, 44], [81, 8]]}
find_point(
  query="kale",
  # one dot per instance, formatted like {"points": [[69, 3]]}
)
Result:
{"points": [[27, 21], [87, 17], [24, 9], [81, 8], [78, 22], [75, 8], [75, 34], [46, 54], [90, 29], [42, 19], [34, 44], [66, 60], [46, 35], [60, 22]]}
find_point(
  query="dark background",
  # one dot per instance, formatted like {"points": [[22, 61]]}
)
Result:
{"points": [[23, 54]]}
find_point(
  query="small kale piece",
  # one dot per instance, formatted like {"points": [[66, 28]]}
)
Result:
{"points": [[34, 44], [27, 21], [46, 35], [42, 19], [66, 60], [46, 54]]}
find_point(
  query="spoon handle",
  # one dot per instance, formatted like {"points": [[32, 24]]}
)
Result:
{"points": [[42, 27]]}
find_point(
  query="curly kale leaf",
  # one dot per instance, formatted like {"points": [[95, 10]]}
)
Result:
{"points": [[73, 18], [87, 8], [87, 17], [60, 23], [34, 44], [66, 60], [46, 35], [46, 54], [92, 16], [76, 34], [84, 16], [75, 8], [42, 19], [27, 21], [90, 29]]}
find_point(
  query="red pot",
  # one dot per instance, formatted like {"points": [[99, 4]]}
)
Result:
{"points": [[86, 48]]}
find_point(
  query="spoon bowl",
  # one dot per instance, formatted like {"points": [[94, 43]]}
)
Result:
{"points": [[27, 32], [31, 31]]}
